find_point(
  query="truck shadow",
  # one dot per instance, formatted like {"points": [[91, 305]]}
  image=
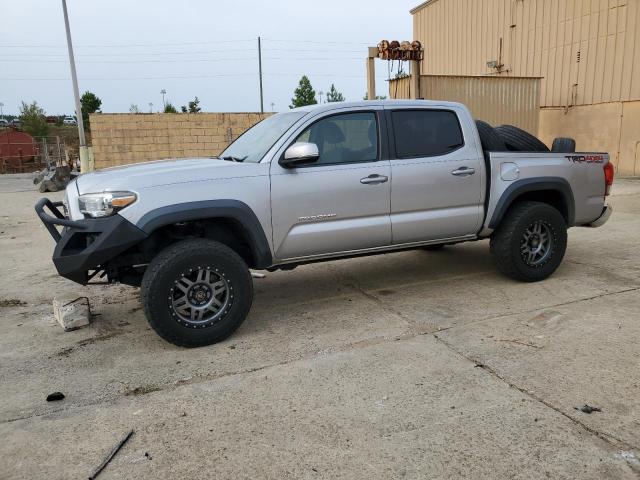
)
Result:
{"points": [[378, 274]]}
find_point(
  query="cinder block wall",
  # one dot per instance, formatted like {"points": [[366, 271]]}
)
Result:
{"points": [[122, 138]]}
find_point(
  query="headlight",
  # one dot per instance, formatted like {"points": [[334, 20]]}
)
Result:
{"points": [[97, 205]]}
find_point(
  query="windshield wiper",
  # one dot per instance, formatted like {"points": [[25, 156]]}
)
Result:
{"points": [[231, 158]]}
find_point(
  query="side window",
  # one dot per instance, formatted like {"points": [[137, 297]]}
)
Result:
{"points": [[344, 138], [425, 133]]}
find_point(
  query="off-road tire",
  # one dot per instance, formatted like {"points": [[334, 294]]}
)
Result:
{"points": [[518, 140], [507, 241], [166, 269], [563, 145], [489, 138]]}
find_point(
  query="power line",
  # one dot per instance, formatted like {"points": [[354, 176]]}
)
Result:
{"points": [[128, 45], [181, 52], [215, 42], [171, 77], [139, 61], [320, 42], [188, 60], [311, 50]]}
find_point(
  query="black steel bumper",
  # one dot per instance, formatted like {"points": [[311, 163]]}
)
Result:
{"points": [[84, 245]]}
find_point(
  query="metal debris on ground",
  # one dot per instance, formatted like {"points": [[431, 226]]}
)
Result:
{"points": [[55, 396], [54, 179], [588, 409], [112, 454]]}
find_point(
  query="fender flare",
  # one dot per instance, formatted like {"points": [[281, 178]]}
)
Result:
{"points": [[534, 184], [201, 210]]}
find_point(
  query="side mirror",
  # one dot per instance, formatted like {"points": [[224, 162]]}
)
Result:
{"points": [[300, 153]]}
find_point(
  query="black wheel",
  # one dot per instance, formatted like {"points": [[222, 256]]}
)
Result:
{"points": [[196, 292], [489, 138], [433, 248], [530, 242], [564, 145], [518, 140]]}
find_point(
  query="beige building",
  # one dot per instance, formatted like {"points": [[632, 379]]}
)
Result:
{"points": [[586, 53]]}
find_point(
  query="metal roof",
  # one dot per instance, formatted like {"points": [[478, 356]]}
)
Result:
{"points": [[421, 6]]}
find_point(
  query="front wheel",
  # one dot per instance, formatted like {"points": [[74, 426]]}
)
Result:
{"points": [[530, 242], [196, 292]]}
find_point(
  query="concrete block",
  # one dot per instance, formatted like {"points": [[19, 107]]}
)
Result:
{"points": [[71, 314]]}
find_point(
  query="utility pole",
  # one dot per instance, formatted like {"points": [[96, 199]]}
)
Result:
{"points": [[83, 151], [150, 107], [320, 93], [260, 74], [1, 112]]}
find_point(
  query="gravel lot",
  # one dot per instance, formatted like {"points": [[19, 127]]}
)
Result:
{"points": [[409, 365]]}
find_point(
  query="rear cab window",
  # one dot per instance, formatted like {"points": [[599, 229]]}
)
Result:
{"points": [[426, 133]]}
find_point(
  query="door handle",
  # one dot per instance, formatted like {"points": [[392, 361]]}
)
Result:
{"points": [[374, 179], [463, 172]]}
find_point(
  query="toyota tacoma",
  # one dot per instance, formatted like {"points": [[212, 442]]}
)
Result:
{"points": [[319, 183]]}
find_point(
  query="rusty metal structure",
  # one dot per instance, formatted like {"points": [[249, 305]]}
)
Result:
{"points": [[396, 50], [22, 153]]}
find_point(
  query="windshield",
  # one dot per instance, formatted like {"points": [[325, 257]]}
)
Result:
{"points": [[252, 145]]}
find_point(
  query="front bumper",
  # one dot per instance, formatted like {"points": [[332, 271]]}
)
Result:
{"points": [[603, 218], [86, 244]]}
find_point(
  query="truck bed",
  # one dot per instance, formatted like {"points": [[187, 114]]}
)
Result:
{"points": [[580, 174]]}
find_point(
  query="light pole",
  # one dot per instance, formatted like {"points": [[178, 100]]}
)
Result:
{"points": [[260, 75], [150, 107], [320, 93], [163, 92], [84, 153], [1, 112]]}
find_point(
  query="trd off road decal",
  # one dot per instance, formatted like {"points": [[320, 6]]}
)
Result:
{"points": [[585, 158]]}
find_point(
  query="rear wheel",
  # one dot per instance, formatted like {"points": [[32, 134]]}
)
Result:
{"points": [[196, 292], [530, 242]]}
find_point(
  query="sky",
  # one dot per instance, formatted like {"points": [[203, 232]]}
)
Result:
{"points": [[128, 51]]}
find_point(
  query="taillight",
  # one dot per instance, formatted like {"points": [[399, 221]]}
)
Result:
{"points": [[608, 177]]}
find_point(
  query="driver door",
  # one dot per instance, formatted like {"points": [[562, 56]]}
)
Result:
{"points": [[341, 202]]}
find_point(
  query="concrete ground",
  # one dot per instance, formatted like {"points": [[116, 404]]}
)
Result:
{"points": [[410, 365]]}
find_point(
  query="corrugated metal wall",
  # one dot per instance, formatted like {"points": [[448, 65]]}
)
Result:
{"points": [[497, 100], [401, 88], [588, 51]]}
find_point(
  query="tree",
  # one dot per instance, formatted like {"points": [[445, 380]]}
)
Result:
{"points": [[304, 94], [33, 120], [334, 95], [194, 106], [89, 103], [169, 108], [134, 108]]}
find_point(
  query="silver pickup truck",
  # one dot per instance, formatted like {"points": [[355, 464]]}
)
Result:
{"points": [[314, 184]]}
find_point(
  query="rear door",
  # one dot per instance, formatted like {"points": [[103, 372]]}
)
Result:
{"points": [[341, 202], [437, 177]]}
